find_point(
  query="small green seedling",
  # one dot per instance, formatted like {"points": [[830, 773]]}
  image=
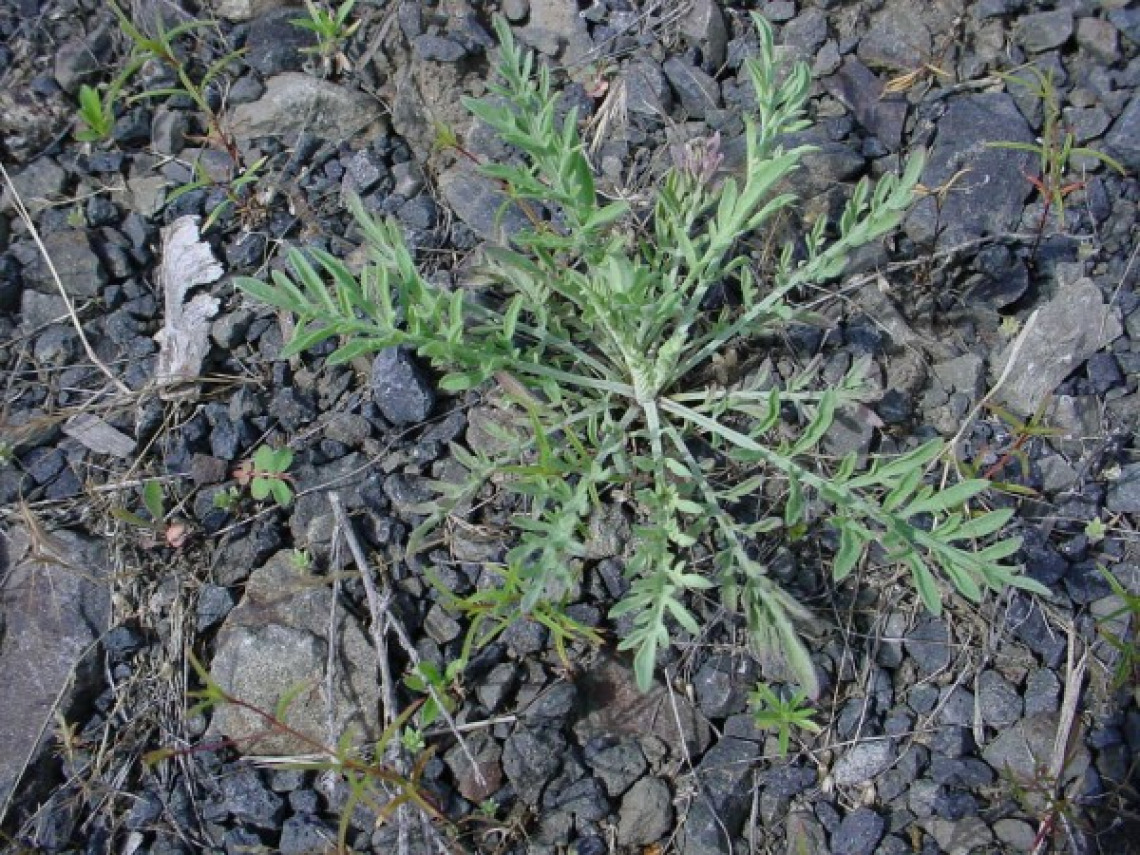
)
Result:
{"points": [[1122, 636], [1095, 530], [332, 30], [771, 711], [97, 113], [236, 195], [1054, 149], [428, 676], [266, 475], [228, 499], [173, 534]]}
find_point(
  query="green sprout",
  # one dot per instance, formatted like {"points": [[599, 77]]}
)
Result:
{"points": [[772, 711], [332, 29], [265, 474]]}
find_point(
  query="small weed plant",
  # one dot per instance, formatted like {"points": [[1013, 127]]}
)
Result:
{"points": [[266, 475], [598, 328], [782, 713], [1054, 149], [332, 29]]}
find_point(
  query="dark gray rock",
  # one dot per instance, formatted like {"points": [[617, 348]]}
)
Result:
{"points": [[584, 799], [246, 798], [479, 782], [1104, 372], [989, 198], [703, 24], [617, 765], [1124, 493], [80, 58], [998, 699], [721, 688], [859, 833], [698, 92], [400, 388], [1085, 584], [647, 91], [479, 202], [77, 264], [857, 88], [438, 49], [929, 645], [1028, 623], [304, 835], [863, 761], [214, 603], [553, 705], [721, 804], [1042, 692], [50, 617], [493, 690], [965, 772], [1123, 141], [275, 44], [531, 759], [1044, 31], [646, 813]]}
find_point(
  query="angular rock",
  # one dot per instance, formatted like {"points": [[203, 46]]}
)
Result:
{"points": [[858, 89], [1018, 753], [77, 264], [79, 58], [613, 706], [54, 605], [929, 646], [699, 93], [897, 39], [1123, 141], [1044, 31], [1124, 493], [438, 49], [703, 25], [275, 44], [863, 761], [276, 641], [479, 782], [647, 91], [295, 102], [721, 804], [479, 202], [1070, 328], [244, 10], [859, 833], [400, 388], [989, 198], [646, 813], [531, 759], [1000, 703], [555, 29]]}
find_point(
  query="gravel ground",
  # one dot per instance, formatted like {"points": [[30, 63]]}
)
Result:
{"points": [[990, 318]]}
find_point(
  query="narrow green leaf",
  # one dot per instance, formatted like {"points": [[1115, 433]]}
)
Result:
{"points": [[850, 550], [824, 415], [152, 500], [951, 498]]}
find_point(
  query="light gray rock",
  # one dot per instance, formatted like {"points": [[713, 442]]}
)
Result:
{"points": [[244, 10], [1070, 328], [295, 102], [276, 641], [54, 604], [863, 761], [699, 93], [1018, 752], [555, 29], [898, 38]]}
